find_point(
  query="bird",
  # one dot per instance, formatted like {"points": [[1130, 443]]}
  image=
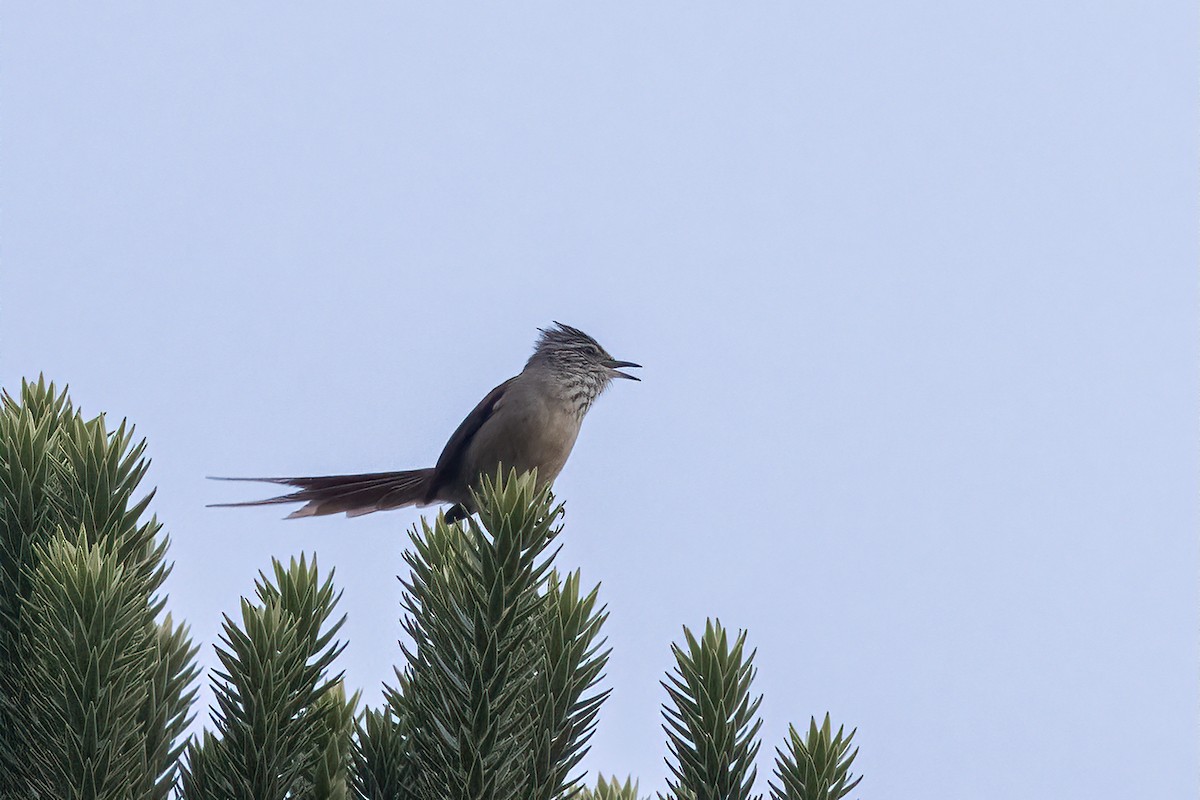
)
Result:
{"points": [[529, 422]]}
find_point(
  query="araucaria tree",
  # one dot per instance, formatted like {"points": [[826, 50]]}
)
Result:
{"points": [[497, 697], [95, 681]]}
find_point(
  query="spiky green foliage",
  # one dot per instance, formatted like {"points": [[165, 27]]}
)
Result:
{"points": [[504, 655], [711, 726], [86, 746], [562, 710], [29, 470], [94, 691], [167, 710], [498, 699], [384, 765], [472, 600], [333, 718], [611, 789], [816, 767], [281, 722]]}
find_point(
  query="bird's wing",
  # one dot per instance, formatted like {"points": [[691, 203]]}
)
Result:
{"points": [[450, 460]]}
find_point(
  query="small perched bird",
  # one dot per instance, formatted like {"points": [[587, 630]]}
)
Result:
{"points": [[528, 422]]}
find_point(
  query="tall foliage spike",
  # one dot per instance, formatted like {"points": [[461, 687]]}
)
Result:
{"points": [[572, 660], [472, 600], [273, 719], [384, 766], [816, 767], [88, 623], [79, 579], [503, 654], [333, 717], [28, 441], [711, 726], [166, 712]]}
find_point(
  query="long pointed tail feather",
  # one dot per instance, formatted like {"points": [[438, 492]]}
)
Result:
{"points": [[353, 494]]}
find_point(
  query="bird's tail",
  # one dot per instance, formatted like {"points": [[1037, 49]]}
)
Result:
{"points": [[354, 494]]}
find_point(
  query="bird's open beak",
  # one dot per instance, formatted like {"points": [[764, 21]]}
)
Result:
{"points": [[616, 365]]}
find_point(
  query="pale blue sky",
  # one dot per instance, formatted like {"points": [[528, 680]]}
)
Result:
{"points": [[914, 285]]}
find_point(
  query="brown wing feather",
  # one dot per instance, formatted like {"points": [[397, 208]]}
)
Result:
{"points": [[450, 461]]}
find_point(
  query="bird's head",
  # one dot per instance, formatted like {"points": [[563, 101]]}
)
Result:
{"points": [[577, 357]]}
